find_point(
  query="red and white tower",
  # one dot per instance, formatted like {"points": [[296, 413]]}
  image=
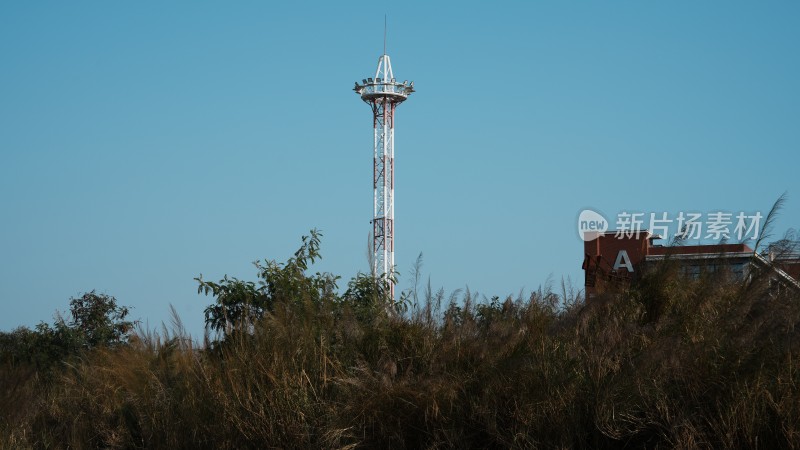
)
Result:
{"points": [[383, 93]]}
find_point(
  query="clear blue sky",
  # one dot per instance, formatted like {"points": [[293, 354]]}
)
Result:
{"points": [[144, 143]]}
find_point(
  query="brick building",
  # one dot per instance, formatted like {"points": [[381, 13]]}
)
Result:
{"points": [[611, 259]]}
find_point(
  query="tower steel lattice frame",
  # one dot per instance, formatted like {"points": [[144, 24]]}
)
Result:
{"points": [[383, 93]]}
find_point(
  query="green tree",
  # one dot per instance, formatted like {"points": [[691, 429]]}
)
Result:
{"points": [[369, 297], [240, 304], [99, 321], [96, 320]]}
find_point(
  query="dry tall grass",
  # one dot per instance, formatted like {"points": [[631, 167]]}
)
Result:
{"points": [[669, 363]]}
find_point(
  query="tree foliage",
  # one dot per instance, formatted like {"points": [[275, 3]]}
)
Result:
{"points": [[96, 320], [99, 320], [240, 304]]}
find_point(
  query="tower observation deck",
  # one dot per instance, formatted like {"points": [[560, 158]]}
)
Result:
{"points": [[383, 93]]}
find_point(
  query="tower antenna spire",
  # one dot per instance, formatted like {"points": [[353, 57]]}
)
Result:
{"points": [[383, 93]]}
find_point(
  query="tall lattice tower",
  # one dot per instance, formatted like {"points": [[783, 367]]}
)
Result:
{"points": [[383, 93]]}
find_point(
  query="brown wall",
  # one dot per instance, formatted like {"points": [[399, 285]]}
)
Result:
{"points": [[601, 253]]}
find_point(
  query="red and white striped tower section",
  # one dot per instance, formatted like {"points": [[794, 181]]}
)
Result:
{"points": [[383, 93]]}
